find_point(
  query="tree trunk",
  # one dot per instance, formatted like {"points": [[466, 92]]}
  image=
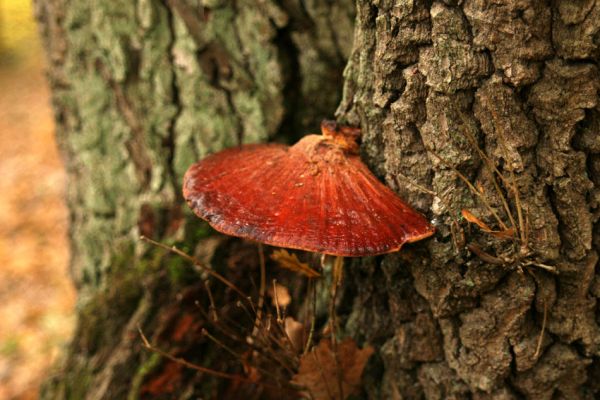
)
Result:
{"points": [[502, 96]]}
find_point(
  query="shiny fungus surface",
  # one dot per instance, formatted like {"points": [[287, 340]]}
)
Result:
{"points": [[316, 195]]}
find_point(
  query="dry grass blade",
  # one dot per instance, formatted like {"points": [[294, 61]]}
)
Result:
{"points": [[221, 344], [213, 309], [273, 355], [188, 364], [472, 188], [198, 264], [514, 189], [493, 172], [276, 299], [218, 374], [423, 189], [313, 319]]}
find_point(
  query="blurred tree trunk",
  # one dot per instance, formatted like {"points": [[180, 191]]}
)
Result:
{"points": [[143, 89]]}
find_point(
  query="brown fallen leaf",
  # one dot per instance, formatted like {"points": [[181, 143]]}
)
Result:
{"points": [[295, 332], [318, 371], [503, 234], [291, 262], [280, 295]]}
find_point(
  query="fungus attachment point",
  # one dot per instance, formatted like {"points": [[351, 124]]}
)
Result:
{"points": [[316, 195]]}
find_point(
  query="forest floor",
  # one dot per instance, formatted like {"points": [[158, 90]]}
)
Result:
{"points": [[36, 294]]}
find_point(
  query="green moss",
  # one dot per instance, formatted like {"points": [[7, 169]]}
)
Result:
{"points": [[197, 229], [74, 385], [144, 369], [77, 384], [180, 271], [105, 311]]}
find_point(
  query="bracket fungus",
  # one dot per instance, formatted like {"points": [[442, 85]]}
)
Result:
{"points": [[316, 195]]}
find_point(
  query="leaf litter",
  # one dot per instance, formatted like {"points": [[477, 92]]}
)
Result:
{"points": [[318, 371], [276, 359]]}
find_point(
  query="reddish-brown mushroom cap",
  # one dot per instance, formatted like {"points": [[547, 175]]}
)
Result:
{"points": [[316, 195]]}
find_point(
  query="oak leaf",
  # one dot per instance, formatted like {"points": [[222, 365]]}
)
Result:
{"points": [[291, 262], [320, 374]]}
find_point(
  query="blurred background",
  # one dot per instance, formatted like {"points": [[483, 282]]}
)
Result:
{"points": [[36, 294]]}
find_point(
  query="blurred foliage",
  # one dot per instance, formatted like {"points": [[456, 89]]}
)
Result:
{"points": [[17, 32], [36, 295]]}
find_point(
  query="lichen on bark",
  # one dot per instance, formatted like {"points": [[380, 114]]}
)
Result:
{"points": [[141, 90]]}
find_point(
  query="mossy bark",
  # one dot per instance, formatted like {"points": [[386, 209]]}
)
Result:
{"points": [[142, 89]]}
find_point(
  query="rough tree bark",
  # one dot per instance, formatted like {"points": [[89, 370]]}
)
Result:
{"points": [[142, 89]]}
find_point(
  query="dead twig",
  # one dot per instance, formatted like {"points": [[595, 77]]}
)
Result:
{"points": [[261, 292], [185, 363], [313, 320], [538, 348], [197, 263]]}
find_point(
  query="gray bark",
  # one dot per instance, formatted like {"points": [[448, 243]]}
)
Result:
{"points": [[143, 89], [521, 79]]}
